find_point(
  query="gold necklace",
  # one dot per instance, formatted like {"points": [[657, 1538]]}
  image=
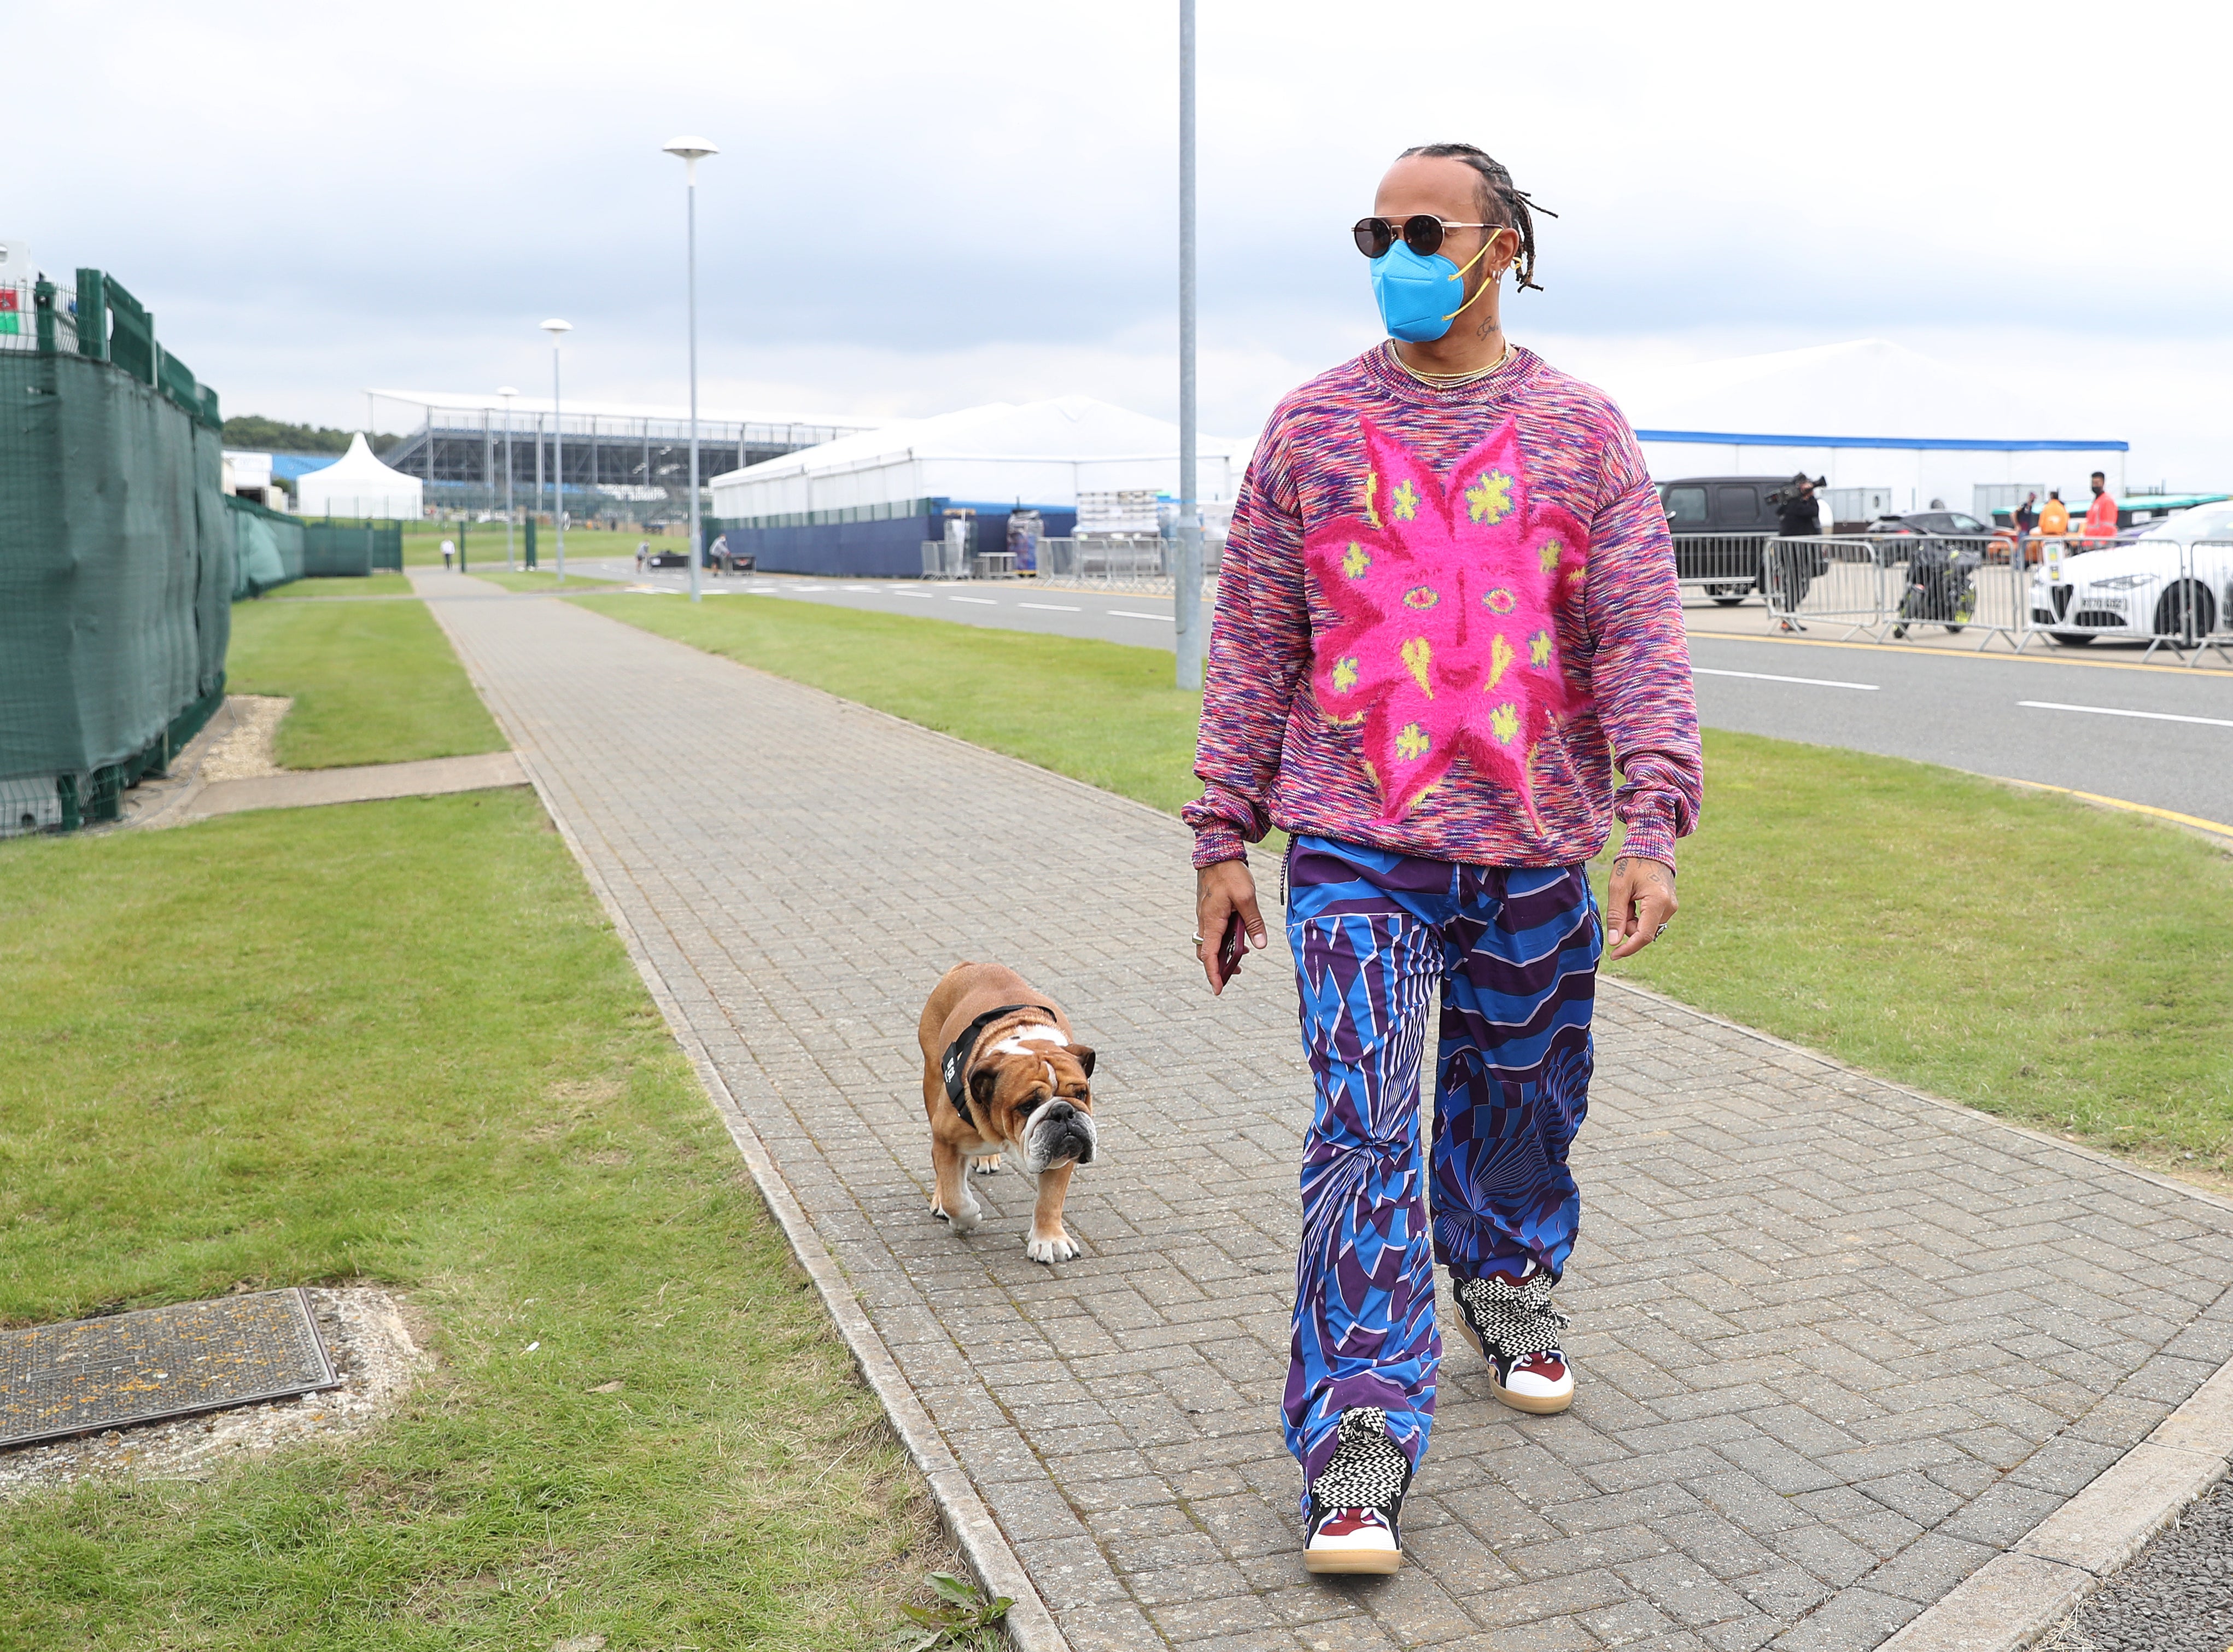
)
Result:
{"points": [[1449, 380]]}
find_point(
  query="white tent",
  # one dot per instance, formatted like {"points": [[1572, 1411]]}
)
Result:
{"points": [[1042, 453], [1868, 414], [358, 484]]}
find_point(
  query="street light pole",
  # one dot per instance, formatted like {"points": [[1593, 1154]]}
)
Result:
{"points": [[693, 150], [1187, 606], [557, 329], [507, 393]]}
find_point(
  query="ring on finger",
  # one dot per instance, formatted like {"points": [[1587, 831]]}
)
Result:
{"points": [[1659, 932]]}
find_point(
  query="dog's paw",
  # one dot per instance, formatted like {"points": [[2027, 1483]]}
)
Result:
{"points": [[1061, 1248], [987, 1166], [968, 1220]]}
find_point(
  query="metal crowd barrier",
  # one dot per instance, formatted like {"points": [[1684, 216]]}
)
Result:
{"points": [[1889, 587], [1829, 580], [1726, 566], [1112, 558], [2208, 577]]}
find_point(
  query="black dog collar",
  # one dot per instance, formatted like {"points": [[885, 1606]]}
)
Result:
{"points": [[955, 1065]]}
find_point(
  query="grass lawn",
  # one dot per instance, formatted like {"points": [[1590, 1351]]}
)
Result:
{"points": [[1097, 711], [370, 585], [372, 682], [542, 579], [2060, 965], [422, 546], [398, 1042]]}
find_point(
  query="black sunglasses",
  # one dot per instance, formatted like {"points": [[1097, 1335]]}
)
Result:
{"points": [[1422, 232]]}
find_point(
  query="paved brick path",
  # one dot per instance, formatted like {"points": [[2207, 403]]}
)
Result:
{"points": [[1836, 1344]]}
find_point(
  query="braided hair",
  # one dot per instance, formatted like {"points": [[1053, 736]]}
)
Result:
{"points": [[1501, 202]]}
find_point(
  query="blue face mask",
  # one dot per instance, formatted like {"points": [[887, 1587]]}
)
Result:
{"points": [[1411, 291]]}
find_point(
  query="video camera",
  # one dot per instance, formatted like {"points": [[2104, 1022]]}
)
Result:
{"points": [[1790, 489]]}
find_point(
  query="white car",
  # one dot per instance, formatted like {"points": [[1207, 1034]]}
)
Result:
{"points": [[2174, 580]]}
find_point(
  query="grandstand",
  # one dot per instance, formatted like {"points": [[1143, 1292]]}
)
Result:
{"points": [[621, 458]]}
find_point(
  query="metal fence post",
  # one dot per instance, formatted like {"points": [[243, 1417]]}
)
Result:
{"points": [[1187, 594]]}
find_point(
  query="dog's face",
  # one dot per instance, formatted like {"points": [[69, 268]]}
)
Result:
{"points": [[1038, 1098]]}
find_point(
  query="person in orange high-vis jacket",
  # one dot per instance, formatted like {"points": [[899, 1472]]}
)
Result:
{"points": [[2101, 515], [2053, 521]]}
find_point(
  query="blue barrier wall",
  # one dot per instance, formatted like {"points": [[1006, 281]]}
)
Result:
{"points": [[887, 549]]}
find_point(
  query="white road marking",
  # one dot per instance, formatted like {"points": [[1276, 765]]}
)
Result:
{"points": [[981, 601], [860, 588], [1050, 608], [2119, 711], [1770, 677], [1127, 614], [928, 596]]}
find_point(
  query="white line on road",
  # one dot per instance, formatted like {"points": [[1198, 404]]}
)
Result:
{"points": [[870, 589], [928, 596], [981, 601], [1127, 614], [1050, 608], [2119, 711], [806, 587], [1770, 677]]}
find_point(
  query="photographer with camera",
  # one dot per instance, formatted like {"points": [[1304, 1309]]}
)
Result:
{"points": [[1793, 569]]}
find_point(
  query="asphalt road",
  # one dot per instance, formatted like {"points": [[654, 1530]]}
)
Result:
{"points": [[2158, 735]]}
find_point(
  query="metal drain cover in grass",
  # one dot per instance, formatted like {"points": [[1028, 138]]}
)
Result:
{"points": [[89, 1375]]}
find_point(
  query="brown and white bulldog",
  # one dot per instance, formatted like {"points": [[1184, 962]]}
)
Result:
{"points": [[1000, 1073]]}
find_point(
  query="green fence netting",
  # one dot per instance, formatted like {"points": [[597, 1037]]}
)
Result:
{"points": [[340, 548], [268, 549], [116, 557]]}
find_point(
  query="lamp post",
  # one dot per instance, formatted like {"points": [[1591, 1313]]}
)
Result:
{"points": [[693, 150], [1187, 597], [507, 393], [557, 329]]}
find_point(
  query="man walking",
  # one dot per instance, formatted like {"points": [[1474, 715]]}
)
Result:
{"points": [[1447, 611]]}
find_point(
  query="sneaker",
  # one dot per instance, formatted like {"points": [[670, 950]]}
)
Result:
{"points": [[1534, 1382], [1357, 1501], [1510, 1318]]}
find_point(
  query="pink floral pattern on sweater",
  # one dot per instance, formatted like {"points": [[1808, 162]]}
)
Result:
{"points": [[1289, 739], [1446, 590]]}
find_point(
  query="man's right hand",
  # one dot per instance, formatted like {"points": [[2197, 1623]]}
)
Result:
{"points": [[1220, 890]]}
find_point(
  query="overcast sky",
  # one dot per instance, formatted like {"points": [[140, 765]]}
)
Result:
{"points": [[922, 207]]}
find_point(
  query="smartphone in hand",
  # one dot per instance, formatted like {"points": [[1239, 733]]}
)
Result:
{"points": [[1233, 948]]}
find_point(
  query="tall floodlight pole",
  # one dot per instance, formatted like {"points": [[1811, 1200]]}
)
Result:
{"points": [[557, 329], [693, 150], [1188, 606], [507, 393]]}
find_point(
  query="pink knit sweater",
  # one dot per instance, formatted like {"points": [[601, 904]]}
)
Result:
{"points": [[1445, 615]]}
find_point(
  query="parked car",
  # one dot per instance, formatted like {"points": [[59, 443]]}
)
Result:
{"points": [[2174, 580], [1951, 523], [1719, 524]]}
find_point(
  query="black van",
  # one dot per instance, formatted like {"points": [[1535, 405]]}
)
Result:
{"points": [[1719, 524]]}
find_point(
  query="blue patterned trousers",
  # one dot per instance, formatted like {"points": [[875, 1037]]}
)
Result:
{"points": [[1508, 955]]}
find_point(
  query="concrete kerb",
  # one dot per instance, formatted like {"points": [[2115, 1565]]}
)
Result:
{"points": [[2008, 1604], [2017, 1596], [1029, 1626]]}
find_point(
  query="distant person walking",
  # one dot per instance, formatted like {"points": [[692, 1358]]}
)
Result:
{"points": [[2025, 517], [2101, 515], [449, 550], [642, 554], [1793, 569]]}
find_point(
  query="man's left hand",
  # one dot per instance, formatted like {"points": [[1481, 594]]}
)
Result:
{"points": [[1642, 903]]}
